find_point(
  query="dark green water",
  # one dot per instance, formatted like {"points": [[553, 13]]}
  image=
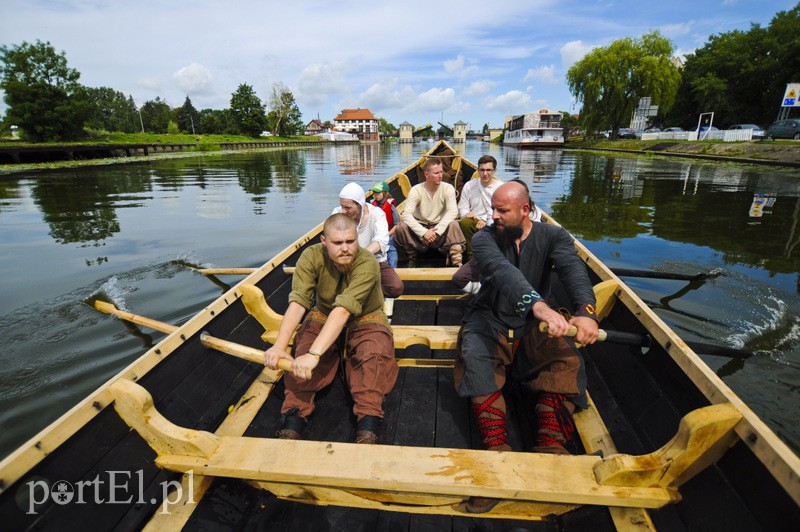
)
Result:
{"points": [[66, 235]]}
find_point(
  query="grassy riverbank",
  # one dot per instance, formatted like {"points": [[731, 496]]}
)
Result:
{"points": [[780, 151], [155, 138], [204, 144]]}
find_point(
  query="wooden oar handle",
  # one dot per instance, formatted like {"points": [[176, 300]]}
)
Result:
{"points": [[601, 334], [242, 351]]}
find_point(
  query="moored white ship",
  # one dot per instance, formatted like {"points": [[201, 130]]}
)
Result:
{"points": [[537, 129]]}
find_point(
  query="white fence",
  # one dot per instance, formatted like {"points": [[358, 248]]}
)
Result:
{"points": [[736, 135]]}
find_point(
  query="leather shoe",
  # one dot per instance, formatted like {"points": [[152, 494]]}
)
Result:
{"points": [[550, 449], [288, 434], [366, 436]]}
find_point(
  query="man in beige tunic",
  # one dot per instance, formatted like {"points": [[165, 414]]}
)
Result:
{"points": [[430, 218], [346, 281]]}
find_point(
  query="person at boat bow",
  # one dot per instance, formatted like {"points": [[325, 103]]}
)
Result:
{"points": [[373, 233], [475, 204], [338, 282], [429, 218], [499, 332]]}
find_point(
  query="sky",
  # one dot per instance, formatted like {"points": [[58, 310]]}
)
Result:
{"points": [[423, 62]]}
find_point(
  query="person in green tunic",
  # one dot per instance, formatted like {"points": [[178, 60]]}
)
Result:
{"points": [[339, 283]]}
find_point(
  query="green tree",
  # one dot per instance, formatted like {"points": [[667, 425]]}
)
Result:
{"points": [[740, 75], [610, 81], [187, 117], [216, 122], [284, 116], [110, 110], [248, 111], [485, 129], [387, 127], [42, 92], [156, 115]]}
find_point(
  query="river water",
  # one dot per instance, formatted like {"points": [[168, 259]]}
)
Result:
{"points": [[128, 231]]}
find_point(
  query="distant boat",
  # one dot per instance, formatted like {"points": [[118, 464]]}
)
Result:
{"points": [[539, 129], [338, 136]]}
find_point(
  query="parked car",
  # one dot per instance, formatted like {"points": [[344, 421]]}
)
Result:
{"points": [[652, 130], [784, 129], [704, 130], [758, 132], [674, 130], [627, 133]]}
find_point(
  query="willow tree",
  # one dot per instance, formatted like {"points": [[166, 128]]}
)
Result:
{"points": [[610, 81], [284, 116]]}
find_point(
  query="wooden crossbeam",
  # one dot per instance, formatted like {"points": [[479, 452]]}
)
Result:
{"points": [[433, 336], [410, 274], [406, 274], [407, 475], [648, 481]]}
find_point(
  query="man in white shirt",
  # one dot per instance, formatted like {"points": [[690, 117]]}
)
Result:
{"points": [[373, 233], [429, 218], [475, 205]]}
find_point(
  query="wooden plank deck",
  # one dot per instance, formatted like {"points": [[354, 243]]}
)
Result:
{"points": [[423, 410]]}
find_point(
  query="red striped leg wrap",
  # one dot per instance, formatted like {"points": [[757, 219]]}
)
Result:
{"points": [[493, 431], [554, 418]]}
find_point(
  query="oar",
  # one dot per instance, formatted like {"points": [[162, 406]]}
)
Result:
{"points": [[238, 350], [649, 274], [644, 340], [225, 271]]}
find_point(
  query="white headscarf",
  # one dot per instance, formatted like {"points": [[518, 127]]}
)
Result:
{"points": [[353, 191]]}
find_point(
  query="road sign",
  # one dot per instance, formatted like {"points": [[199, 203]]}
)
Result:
{"points": [[791, 98]]}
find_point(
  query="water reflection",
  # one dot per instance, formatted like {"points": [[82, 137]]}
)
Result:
{"points": [[81, 209], [358, 159], [704, 205], [533, 165]]}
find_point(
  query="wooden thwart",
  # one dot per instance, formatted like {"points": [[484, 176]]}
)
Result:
{"points": [[433, 336], [426, 477]]}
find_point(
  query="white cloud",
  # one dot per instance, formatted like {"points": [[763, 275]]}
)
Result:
{"points": [[193, 78], [454, 66], [574, 51], [544, 74], [481, 86], [513, 101], [321, 80], [434, 99], [383, 95], [677, 30]]}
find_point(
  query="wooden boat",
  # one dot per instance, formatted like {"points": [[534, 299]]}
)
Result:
{"points": [[184, 437]]}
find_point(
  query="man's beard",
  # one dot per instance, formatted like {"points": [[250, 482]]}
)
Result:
{"points": [[344, 268], [507, 235]]}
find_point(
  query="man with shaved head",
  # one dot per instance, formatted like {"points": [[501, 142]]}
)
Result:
{"points": [[515, 257], [339, 284]]}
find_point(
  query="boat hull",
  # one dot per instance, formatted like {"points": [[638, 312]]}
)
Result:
{"points": [[534, 138]]}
